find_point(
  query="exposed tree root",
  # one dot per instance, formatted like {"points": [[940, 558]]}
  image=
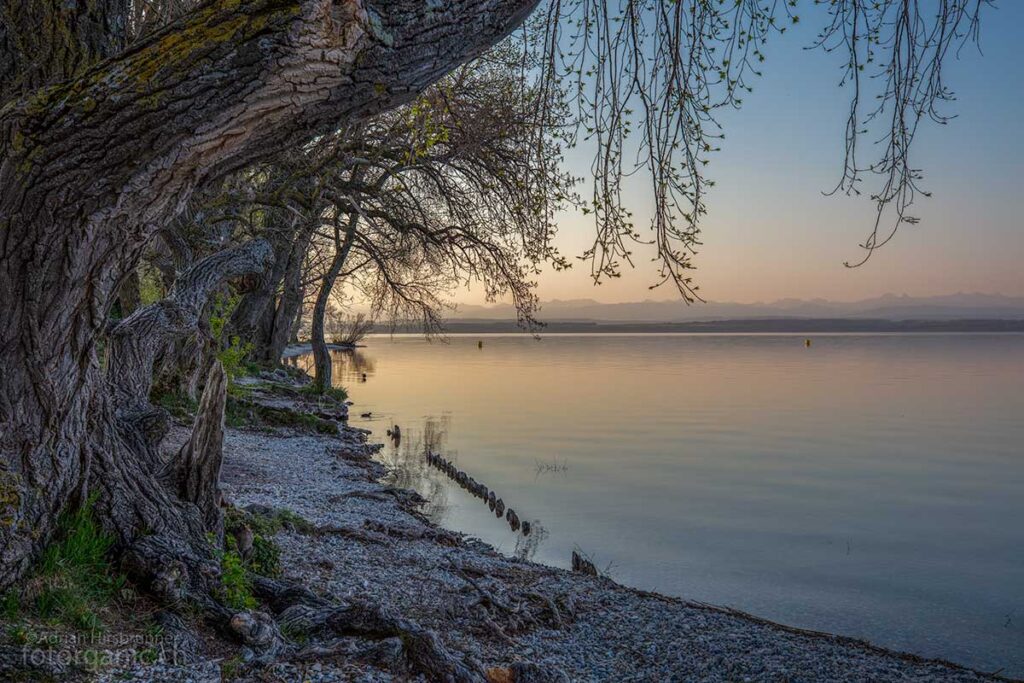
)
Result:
{"points": [[299, 611], [439, 536], [503, 616]]}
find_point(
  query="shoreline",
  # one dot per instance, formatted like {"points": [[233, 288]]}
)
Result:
{"points": [[615, 632]]}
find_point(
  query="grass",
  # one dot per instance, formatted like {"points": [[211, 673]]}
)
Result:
{"points": [[178, 405], [234, 578], [74, 581], [265, 558], [337, 393], [240, 412], [268, 524]]}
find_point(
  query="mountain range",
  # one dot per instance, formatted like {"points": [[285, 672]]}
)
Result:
{"points": [[959, 306]]}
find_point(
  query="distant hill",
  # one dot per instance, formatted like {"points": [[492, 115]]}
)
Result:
{"points": [[750, 325], [950, 307]]}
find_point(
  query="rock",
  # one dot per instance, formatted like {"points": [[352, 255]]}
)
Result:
{"points": [[526, 528], [499, 508]]}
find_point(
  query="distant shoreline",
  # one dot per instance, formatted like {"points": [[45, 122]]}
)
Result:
{"points": [[751, 325]]}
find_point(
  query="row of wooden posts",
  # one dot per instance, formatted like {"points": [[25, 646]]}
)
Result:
{"points": [[497, 505]]}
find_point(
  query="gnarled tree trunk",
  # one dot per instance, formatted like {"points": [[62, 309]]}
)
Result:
{"points": [[264, 316]]}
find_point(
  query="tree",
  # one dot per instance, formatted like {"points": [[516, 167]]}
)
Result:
{"points": [[109, 127], [449, 190]]}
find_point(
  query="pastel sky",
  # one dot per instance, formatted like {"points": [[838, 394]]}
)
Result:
{"points": [[771, 233]]}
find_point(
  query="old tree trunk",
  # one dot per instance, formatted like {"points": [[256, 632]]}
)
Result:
{"points": [[321, 354], [100, 149]]}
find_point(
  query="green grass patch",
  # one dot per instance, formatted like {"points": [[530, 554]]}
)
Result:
{"points": [[240, 412], [234, 578], [265, 558], [267, 524], [74, 581], [179, 405], [312, 390]]}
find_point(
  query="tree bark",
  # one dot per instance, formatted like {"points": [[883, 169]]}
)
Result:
{"points": [[321, 354], [265, 315], [139, 339], [129, 295], [196, 471], [42, 43]]}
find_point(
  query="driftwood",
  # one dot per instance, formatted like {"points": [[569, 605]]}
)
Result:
{"points": [[502, 616]]}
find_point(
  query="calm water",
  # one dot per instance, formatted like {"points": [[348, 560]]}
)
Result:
{"points": [[869, 485]]}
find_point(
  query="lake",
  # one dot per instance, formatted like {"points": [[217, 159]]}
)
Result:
{"points": [[867, 485]]}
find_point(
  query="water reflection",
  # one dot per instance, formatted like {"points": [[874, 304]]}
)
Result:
{"points": [[348, 367], [406, 457], [870, 485], [407, 465], [527, 546]]}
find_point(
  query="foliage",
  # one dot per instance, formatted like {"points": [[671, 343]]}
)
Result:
{"points": [[232, 668], [233, 358], [269, 523], [233, 353], [234, 578], [151, 287], [74, 580], [265, 557]]}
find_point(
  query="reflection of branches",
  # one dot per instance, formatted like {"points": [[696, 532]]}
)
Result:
{"points": [[553, 466], [350, 366], [346, 365]]}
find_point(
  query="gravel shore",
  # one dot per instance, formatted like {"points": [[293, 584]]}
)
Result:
{"points": [[500, 610]]}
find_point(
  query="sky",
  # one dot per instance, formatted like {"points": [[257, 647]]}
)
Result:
{"points": [[771, 233]]}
